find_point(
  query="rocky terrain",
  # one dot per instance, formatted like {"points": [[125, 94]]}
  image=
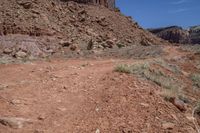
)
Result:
{"points": [[45, 27], [175, 34], [85, 68]]}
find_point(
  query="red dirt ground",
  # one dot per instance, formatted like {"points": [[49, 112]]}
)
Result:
{"points": [[83, 96]]}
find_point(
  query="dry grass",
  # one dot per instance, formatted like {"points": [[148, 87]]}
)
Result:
{"points": [[196, 79], [172, 86], [197, 110], [123, 68], [191, 48]]}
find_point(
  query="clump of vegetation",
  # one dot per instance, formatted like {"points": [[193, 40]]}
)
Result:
{"points": [[120, 45], [193, 48], [171, 67], [196, 80], [168, 94], [133, 69], [198, 108], [147, 70], [123, 69]]}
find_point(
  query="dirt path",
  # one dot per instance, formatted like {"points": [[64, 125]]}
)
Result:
{"points": [[84, 96]]}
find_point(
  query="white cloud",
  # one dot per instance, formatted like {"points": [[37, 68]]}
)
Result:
{"points": [[178, 10], [178, 2]]}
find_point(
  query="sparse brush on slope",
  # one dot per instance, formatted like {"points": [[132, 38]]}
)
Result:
{"points": [[196, 110], [146, 70], [196, 79]]}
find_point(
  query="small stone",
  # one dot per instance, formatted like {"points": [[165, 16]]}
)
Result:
{"points": [[65, 43], [168, 125], [97, 131], [62, 109], [73, 47], [64, 87], [175, 117], [14, 122], [144, 105], [16, 101], [7, 51], [41, 117], [179, 104], [128, 40], [189, 117], [110, 43], [20, 54], [97, 109], [90, 45], [89, 77], [25, 4], [2, 87]]}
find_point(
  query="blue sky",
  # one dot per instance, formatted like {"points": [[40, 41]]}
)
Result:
{"points": [[161, 13]]}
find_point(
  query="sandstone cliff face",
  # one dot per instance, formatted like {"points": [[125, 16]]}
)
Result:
{"points": [[175, 34]]}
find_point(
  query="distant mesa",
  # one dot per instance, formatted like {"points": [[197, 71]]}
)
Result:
{"points": [[176, 34]]}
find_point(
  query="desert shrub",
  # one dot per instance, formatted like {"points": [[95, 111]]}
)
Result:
{"points": [[168, 94], [134, 69], [196, 79], [146, 71], [173, 68], [161, 79], [198, 108], [120, 45], [123, 69]]}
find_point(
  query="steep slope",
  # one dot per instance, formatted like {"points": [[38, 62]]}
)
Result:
{"points": [[76, 24]]}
